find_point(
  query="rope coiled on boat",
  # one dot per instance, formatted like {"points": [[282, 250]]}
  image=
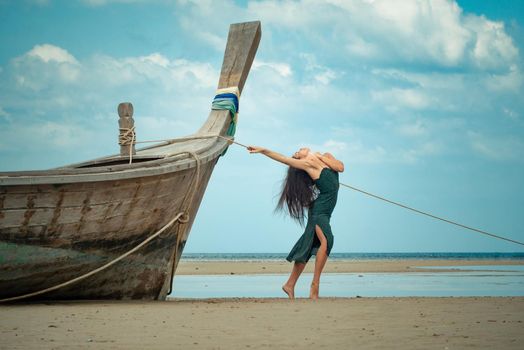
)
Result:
{"points": [[127, 137]]}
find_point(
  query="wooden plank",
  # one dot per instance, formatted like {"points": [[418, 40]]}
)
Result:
{"points": [[241, 47]]}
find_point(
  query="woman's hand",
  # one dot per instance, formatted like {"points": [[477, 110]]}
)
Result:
{"points": [[330, 161], [255, 149], [320, 157]]}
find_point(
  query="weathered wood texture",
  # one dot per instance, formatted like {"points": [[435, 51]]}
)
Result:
{"points": [[126, 122], [56, 225], [42, 246], [241, 47]]}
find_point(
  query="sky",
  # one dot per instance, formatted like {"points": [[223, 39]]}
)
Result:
{"points": [[421, 100]]}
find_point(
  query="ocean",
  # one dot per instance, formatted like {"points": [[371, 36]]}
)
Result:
{"points": [[358, 256]]}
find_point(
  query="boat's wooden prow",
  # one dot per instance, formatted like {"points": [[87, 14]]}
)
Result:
{"points": [[241, 47], [58, 224]]}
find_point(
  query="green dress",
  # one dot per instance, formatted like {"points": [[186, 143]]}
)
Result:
{"points": [[319, 214]]}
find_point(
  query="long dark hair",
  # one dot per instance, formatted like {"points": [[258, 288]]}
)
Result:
{"points": [[298, 190]]}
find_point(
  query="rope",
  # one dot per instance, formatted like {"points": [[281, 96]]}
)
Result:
{"points": [[231, 140], [432, 216], [182, 217], [224, 100], [127, 137], [101, 268], [190, 194], [182, 139], [413, 209]]}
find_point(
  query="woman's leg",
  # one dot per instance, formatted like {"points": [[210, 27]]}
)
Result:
{"points": [[320, 261], [289, 287]]}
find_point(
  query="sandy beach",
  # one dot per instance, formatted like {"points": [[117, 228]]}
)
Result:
{"points": [[358, 323], [277, 323]]}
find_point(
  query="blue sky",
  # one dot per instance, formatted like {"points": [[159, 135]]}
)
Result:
{"points": [[422, 100]]}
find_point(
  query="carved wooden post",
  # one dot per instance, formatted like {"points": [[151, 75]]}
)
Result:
{"points": [[126, 124]]}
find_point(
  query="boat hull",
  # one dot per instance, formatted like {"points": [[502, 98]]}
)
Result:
{"points": [[50, 234], [59, 224]]}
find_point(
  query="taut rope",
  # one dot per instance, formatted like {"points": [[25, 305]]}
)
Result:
{"points": [[230, 140], [410, 208], [432, 216]]}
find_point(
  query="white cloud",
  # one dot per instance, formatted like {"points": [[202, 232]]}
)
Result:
{"points": [[215, 41], [511, 114], [508, 81], [360, 47], [354, 151], [414, 129], [293, 14], [379, 145], [109, 70], [335, 147], [396, 98], [65, 103], [156, 59], [283, 69], [416, 31], [491, 45], [325, 77], [44, 64], [3, 113], [47, 53], [358, 153], [45, 136], [501, 148], [320, 73], [389, 61], [414, 154]]}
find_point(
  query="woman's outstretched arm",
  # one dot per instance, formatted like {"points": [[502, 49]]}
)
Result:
{"points": [[332, 162], [295, 163]]}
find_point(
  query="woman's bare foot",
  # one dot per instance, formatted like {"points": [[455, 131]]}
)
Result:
{"points": [[313, 292], [289, 291]]}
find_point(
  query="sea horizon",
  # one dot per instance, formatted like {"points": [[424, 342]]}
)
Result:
{"points": [[361, 256]]}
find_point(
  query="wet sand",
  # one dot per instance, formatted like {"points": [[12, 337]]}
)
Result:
{"points": [[357, 323]]}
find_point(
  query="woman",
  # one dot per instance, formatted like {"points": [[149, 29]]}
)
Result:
{"points": [[308, 172]]}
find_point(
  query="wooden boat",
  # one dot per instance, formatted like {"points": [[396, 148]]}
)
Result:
{"points": [[62, 223]]}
